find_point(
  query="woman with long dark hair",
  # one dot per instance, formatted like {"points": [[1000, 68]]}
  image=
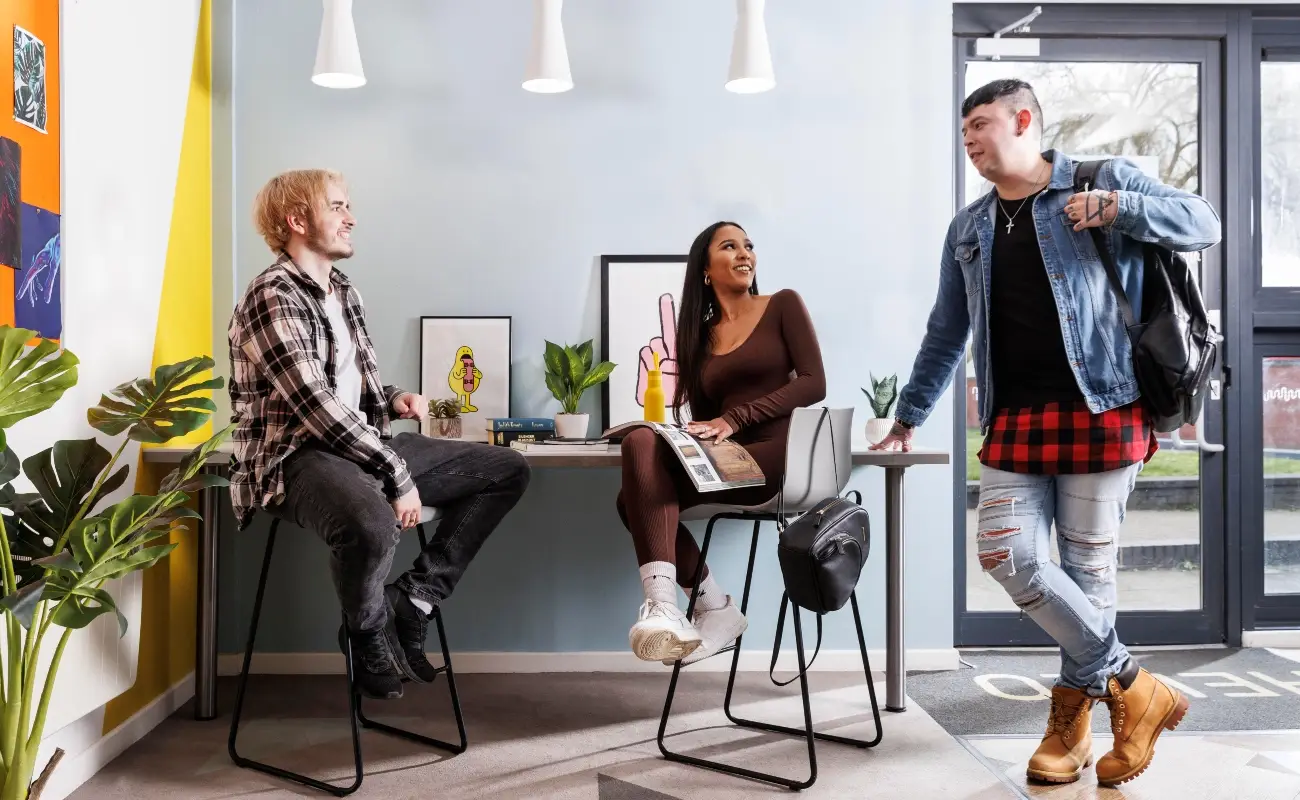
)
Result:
{"points": [[744, 362]]}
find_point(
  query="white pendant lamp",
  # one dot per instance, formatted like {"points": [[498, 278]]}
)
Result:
{"points": [[548, 60], [751, 61], [338, 59]]}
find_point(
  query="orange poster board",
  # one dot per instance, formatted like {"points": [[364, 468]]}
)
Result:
{"points": [[30, 167]]}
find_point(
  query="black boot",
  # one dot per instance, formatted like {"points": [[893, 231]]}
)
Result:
{"points": [[412, 628], [374, 669]]}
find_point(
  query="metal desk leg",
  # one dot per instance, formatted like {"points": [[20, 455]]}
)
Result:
{"points": [[895, 648], [205, 654]]}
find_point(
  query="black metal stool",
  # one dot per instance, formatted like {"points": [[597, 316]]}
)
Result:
{"points": [[806, 480], [354, 696]]}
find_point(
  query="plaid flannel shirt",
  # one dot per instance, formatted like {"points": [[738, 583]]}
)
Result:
{"points": [[1067, 438], [283, 387]]}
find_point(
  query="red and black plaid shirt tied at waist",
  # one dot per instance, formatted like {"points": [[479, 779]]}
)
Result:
{"points": [[1067, 438], [284, 390]]}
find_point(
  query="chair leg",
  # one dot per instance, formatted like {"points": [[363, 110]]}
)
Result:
{"points": [[807, 731], [247, 763], [677, 669], [455, 703], [871, 690]]}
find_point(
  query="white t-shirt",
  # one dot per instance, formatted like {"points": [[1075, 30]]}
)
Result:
{"points": [[347, 373]]}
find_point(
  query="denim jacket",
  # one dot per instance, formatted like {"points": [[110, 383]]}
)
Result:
{"points": [[1096, 341]]}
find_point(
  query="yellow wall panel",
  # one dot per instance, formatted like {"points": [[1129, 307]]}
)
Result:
{"points": [[167, 634]]}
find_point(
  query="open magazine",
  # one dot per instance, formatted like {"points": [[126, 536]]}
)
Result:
{"points": [[712, 466]]}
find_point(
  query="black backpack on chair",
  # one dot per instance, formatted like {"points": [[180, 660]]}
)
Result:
{"points": [[1174, 343], [821, 552]]}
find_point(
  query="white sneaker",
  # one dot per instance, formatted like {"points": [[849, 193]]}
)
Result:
{"points": [[718, 628], [662, 633]]}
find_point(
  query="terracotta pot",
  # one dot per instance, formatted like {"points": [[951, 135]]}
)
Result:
{"points": [[444, 427]]}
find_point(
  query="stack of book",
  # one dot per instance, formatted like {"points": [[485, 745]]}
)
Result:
{"points": [[505, 431], [537, 434]]}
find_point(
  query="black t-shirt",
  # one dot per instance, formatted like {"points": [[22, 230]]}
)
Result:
{"points": [[1029, 363]]}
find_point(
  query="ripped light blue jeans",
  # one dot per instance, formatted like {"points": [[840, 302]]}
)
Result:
{"points": [[1075, 602]]}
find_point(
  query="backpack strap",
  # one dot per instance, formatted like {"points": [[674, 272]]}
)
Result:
{"points": [[776, 646], [1085, 179]]}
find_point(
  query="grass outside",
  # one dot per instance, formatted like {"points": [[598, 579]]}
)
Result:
{"points": [[1165, 464]]}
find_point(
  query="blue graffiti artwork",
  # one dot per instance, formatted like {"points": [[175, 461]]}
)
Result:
{"points": [[38, 302]]}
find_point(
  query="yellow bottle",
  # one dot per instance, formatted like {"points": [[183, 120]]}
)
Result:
{"points": [[654, 393]]}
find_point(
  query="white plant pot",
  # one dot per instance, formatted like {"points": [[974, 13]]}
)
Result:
{"points": [[878, 429], [571, 426]]}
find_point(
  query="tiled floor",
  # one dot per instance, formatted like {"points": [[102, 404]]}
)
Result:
{"points": [[1255, 766], [592, 736]]}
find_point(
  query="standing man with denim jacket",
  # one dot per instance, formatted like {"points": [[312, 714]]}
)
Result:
{"points": [[1065, 430]]}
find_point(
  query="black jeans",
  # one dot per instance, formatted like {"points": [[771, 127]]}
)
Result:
{"points": [[474, 484]]}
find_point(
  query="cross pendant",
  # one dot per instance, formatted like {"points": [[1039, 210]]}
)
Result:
{"points": [[1010, 224]]}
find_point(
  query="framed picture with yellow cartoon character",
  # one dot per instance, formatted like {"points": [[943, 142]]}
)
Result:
{"points": [[467, 360]]}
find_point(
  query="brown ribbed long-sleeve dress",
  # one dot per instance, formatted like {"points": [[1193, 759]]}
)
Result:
{"points": [[754, 387]]}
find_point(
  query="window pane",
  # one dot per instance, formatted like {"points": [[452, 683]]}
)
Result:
{"points": [[1281, 410], [1148, 113], [1280, 171]]}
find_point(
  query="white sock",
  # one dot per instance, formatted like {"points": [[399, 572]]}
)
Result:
{"points": [[711, 596], [659, 580], [423, 605]]}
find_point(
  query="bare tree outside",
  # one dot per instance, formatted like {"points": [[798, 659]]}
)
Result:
{"points": [[1280, 160]]}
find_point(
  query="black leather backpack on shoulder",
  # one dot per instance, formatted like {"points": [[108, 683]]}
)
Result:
{"points": [[1174, 343]]}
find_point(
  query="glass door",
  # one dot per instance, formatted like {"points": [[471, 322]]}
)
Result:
{"points": [[1156, 102], [1271, 403]]}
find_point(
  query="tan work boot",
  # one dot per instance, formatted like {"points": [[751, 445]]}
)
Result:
{"points": [[1138, 715], [1066, 749]]}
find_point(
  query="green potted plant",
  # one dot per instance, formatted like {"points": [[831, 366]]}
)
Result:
{"points": [[444, 421], [58, 548], [883, 394], [569, 373]]}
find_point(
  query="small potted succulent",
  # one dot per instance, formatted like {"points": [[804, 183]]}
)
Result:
{"points": [[569, 373], [444, 420], [883, 395]]}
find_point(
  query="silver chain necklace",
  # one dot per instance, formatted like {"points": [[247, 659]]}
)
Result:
{"points": [[1011, 218]]}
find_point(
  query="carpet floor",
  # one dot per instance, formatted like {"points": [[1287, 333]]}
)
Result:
{"points": [[1010, 692]]}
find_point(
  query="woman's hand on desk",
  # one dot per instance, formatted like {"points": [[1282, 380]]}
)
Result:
{"points": [[716, 429]]}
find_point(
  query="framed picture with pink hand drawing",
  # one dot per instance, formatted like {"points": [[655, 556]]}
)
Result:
{"points": [[639, 299]]}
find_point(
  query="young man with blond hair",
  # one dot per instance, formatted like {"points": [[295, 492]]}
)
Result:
{"points": [[314, 446]]}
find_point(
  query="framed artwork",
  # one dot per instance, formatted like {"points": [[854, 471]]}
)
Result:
{"points": [[467, 359], [29, 79], [639, 299]]}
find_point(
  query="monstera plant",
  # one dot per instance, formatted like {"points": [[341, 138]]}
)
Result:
{"points": [[58, 546]]}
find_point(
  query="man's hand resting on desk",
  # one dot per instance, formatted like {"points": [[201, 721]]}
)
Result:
{"points": [[411, 406], [899, 438], [407, 508]]}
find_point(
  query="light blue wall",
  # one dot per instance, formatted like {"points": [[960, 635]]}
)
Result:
{"points": [[475, 197]]}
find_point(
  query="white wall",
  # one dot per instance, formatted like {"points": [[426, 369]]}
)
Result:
{"points": [[476, 197], [119, 174]]}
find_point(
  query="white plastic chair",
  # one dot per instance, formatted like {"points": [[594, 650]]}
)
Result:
{"points": [[818, 462]]}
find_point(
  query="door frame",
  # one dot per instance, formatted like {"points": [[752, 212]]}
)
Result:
{"points": [[1270, 326], [1107, 33]]}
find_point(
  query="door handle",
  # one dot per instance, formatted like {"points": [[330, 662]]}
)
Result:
{"points": [[1200, 443]]}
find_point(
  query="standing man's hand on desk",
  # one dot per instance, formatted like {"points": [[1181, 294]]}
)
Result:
{"points": [[899, 438]]}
